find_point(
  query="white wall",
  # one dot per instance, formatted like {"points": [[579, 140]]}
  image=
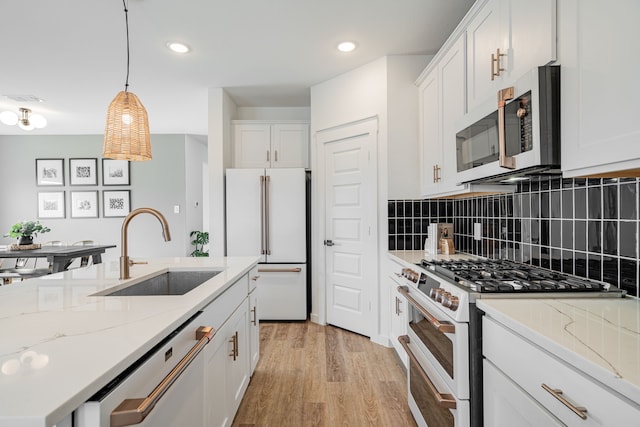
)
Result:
{"points": [[195, 166], [159, 183], [384, 89], [273, 113]]}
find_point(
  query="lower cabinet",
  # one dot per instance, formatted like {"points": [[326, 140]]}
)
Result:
{"points": [[526, 385], [254, 331], [398, 318]]}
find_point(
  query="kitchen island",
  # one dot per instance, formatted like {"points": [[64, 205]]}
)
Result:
{"points": [[60, 343]]}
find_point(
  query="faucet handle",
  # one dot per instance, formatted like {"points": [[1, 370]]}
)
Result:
{"points": [[131, 262]]}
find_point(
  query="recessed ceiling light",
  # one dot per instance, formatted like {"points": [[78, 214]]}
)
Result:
{"points": [[178, 47], [346, 46]]}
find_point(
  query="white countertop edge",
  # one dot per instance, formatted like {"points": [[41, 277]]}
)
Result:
{"points": [[572, 359]]}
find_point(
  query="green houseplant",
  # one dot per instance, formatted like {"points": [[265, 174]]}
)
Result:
{"points": [[200, 238], [26, 230]]}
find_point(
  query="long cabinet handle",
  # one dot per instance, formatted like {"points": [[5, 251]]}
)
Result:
{"points": [[262, 214], [254, 320], [444, 400], [268, 156], [134, 411], [505, 161], [443, 327], [280, 270], [557, 393], [234, 350], [267, 181]]}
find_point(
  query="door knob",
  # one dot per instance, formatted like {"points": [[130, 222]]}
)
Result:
{"points": [[329, 243]]}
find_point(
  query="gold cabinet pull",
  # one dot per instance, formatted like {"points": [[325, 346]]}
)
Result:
{"points": [[444, 400], [268, 156], [255, 278], [134, 411], [280, 270], [557, 393], [444, 327], [495, 64], [276, 153], [254, 320], [505, 161]]}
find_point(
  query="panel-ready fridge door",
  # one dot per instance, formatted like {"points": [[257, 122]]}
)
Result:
{"points": [[285, 219], [282, 291], [244, 205]]}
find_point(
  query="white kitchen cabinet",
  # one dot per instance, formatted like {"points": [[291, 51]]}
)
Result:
{"points": [[550, 384], [398, 314], [270, 145], [442, 100], [597, 48], [505, 40], [507, 405], [238, 370]]}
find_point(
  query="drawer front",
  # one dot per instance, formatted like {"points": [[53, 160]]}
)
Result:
{"points": [[220, 309], [530, 367]]}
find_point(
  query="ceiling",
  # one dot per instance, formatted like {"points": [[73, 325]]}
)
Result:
{"points": [[265, 53]]}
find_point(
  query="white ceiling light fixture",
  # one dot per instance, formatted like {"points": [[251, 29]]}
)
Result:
{"points": [[346, 46], [178, 47], [25, 121]]}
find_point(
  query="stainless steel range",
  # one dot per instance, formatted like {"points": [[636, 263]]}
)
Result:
{"points": [[444, 337]]}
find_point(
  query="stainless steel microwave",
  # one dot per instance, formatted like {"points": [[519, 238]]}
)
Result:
{"points": [[521, 135]]}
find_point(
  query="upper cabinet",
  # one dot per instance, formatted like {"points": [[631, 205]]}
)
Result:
{"points": [[600, 88], [505, 40], [442, 94], [270, 145]]}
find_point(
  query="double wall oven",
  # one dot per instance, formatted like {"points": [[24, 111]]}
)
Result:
{"points": [[444, 336]]}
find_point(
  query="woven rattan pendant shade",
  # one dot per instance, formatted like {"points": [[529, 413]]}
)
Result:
{"points": [[126, 136]]}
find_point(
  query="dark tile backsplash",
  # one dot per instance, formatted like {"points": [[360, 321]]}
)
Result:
{"points": [[587, 227]]}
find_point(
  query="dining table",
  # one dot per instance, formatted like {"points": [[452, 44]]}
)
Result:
{"points": [[59, 257]]}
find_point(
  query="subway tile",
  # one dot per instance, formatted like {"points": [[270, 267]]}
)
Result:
{"points": [[400, 209], [555, 205], [610, 269], [408, 208], [594, 266], [628, 276], [392, 243], [391, 209], [567, 234], [580, 203], [555, 237], [545, 197], [628, 242], [610, 202], [594, 202], [535, 205], [567, 262], [628, 201], [580, 235], [580, 264], [610, 237], [567, 203]]}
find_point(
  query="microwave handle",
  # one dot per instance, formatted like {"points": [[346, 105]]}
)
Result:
{"points": [[508, 162]]}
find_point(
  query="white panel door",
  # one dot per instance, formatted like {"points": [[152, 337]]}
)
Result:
{"points": [[244, 217], [350, 195], [285, 229]]}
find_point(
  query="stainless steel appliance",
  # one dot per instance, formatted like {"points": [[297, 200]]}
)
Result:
{"points": [[521, 135], [444, 336], [266, 216]]}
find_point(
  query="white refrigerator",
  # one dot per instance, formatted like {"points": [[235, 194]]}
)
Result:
{"points": [[266, 216]]}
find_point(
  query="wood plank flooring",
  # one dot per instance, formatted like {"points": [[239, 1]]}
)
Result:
{"points": [[313, 375]]}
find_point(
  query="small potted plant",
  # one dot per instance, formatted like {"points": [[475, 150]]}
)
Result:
{"points": [[200, 238], [26, 230]]}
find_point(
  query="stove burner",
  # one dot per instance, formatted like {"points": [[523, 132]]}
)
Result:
{"points": [[510, 276]]}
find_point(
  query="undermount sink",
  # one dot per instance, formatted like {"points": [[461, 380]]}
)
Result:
{"points": [[169, 283]]}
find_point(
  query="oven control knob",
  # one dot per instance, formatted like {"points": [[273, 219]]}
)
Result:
{"points": [[436, 293], [444, 300], [452, 303]]}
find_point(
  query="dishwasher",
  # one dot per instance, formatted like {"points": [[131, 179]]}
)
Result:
{"points": [[162, 388]]}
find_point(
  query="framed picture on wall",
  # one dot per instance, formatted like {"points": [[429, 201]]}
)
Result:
{"points": [[51, 204], [84, 204], [116, 203], [83, 171], [115, 172], [49, 172]]}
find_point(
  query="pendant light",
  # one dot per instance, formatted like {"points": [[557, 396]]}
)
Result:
{"points": [[126, 135]]}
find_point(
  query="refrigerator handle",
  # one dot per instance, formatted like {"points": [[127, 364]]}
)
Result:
{"points": [[266, 212], [262, 214]]}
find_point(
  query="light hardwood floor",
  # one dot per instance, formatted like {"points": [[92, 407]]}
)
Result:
{"points": [[312, 375]]}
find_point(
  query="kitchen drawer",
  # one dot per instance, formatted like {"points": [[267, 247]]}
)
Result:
{"points": [[220, 309], [530, 367]]}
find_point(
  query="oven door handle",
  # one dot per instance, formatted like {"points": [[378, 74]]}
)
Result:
{"points": [[444, 400], [444, 327], [134, 411]]}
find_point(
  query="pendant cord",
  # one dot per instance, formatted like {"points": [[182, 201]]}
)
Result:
{"points": [[126, 20]]}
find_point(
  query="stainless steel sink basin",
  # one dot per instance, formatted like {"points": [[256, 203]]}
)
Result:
{"points": [[169, 283]]}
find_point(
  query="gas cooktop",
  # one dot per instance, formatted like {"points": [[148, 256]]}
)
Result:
{"points": [[509, 276]]}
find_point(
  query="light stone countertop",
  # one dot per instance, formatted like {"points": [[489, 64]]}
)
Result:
{"points": [[59, 345], [598, 336]]}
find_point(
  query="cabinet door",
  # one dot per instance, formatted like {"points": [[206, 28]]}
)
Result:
{"points": [[398, 319], [254, 330], [485, 35], [290, 146], [238, 371], [430, 133], [599, 87], [452, 108], [507, 405], [252, 145], [215, 380]]}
